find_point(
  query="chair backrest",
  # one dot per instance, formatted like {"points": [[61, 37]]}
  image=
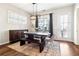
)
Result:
{"points": [[22, 34]]}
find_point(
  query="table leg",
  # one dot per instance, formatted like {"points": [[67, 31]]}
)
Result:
{"points": [[42, 44]]}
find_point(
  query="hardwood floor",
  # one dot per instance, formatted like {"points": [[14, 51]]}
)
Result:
{"points": [[66, 49], [69, 49], [6, 51]]}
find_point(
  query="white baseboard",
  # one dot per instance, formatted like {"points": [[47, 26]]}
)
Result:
{"points": [[76, 43], [4, 43]]}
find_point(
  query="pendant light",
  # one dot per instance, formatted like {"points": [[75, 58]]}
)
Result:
{"points": [[33, 17]]}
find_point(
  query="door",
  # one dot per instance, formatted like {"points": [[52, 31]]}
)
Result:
{"points": [[65, 26]]}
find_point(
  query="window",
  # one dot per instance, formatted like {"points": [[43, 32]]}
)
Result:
{"points": [[16, 18], [43, 23]]}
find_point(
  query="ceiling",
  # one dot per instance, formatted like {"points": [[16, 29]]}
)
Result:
{"points": [[40, 6]]}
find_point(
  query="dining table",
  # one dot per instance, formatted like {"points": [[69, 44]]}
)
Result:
{"points": [[41, 36]]}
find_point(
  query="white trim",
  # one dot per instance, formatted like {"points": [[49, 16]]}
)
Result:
{"points": [[4, 43]]}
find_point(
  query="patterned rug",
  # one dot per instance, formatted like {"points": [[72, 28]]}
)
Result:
{"points": [[52, 48]]}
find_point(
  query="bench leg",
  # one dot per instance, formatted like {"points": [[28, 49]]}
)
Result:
{"points": [[22, 43], [28, 42]]}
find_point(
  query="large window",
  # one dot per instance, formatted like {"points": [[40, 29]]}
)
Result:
{"points": [[16, 18], [65, 26], [43, 23]]}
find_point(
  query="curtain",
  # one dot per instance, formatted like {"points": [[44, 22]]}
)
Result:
{"points": [[51, 25], [36, 23]]}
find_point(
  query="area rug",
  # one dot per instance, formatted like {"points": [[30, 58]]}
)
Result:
{"points": [[52, 48]]}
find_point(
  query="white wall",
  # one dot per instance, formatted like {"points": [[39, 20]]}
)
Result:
{"points": [[5, 26], [76, 24]]}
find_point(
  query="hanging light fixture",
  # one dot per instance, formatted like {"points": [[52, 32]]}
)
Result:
{"points": [[33, 17]]}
